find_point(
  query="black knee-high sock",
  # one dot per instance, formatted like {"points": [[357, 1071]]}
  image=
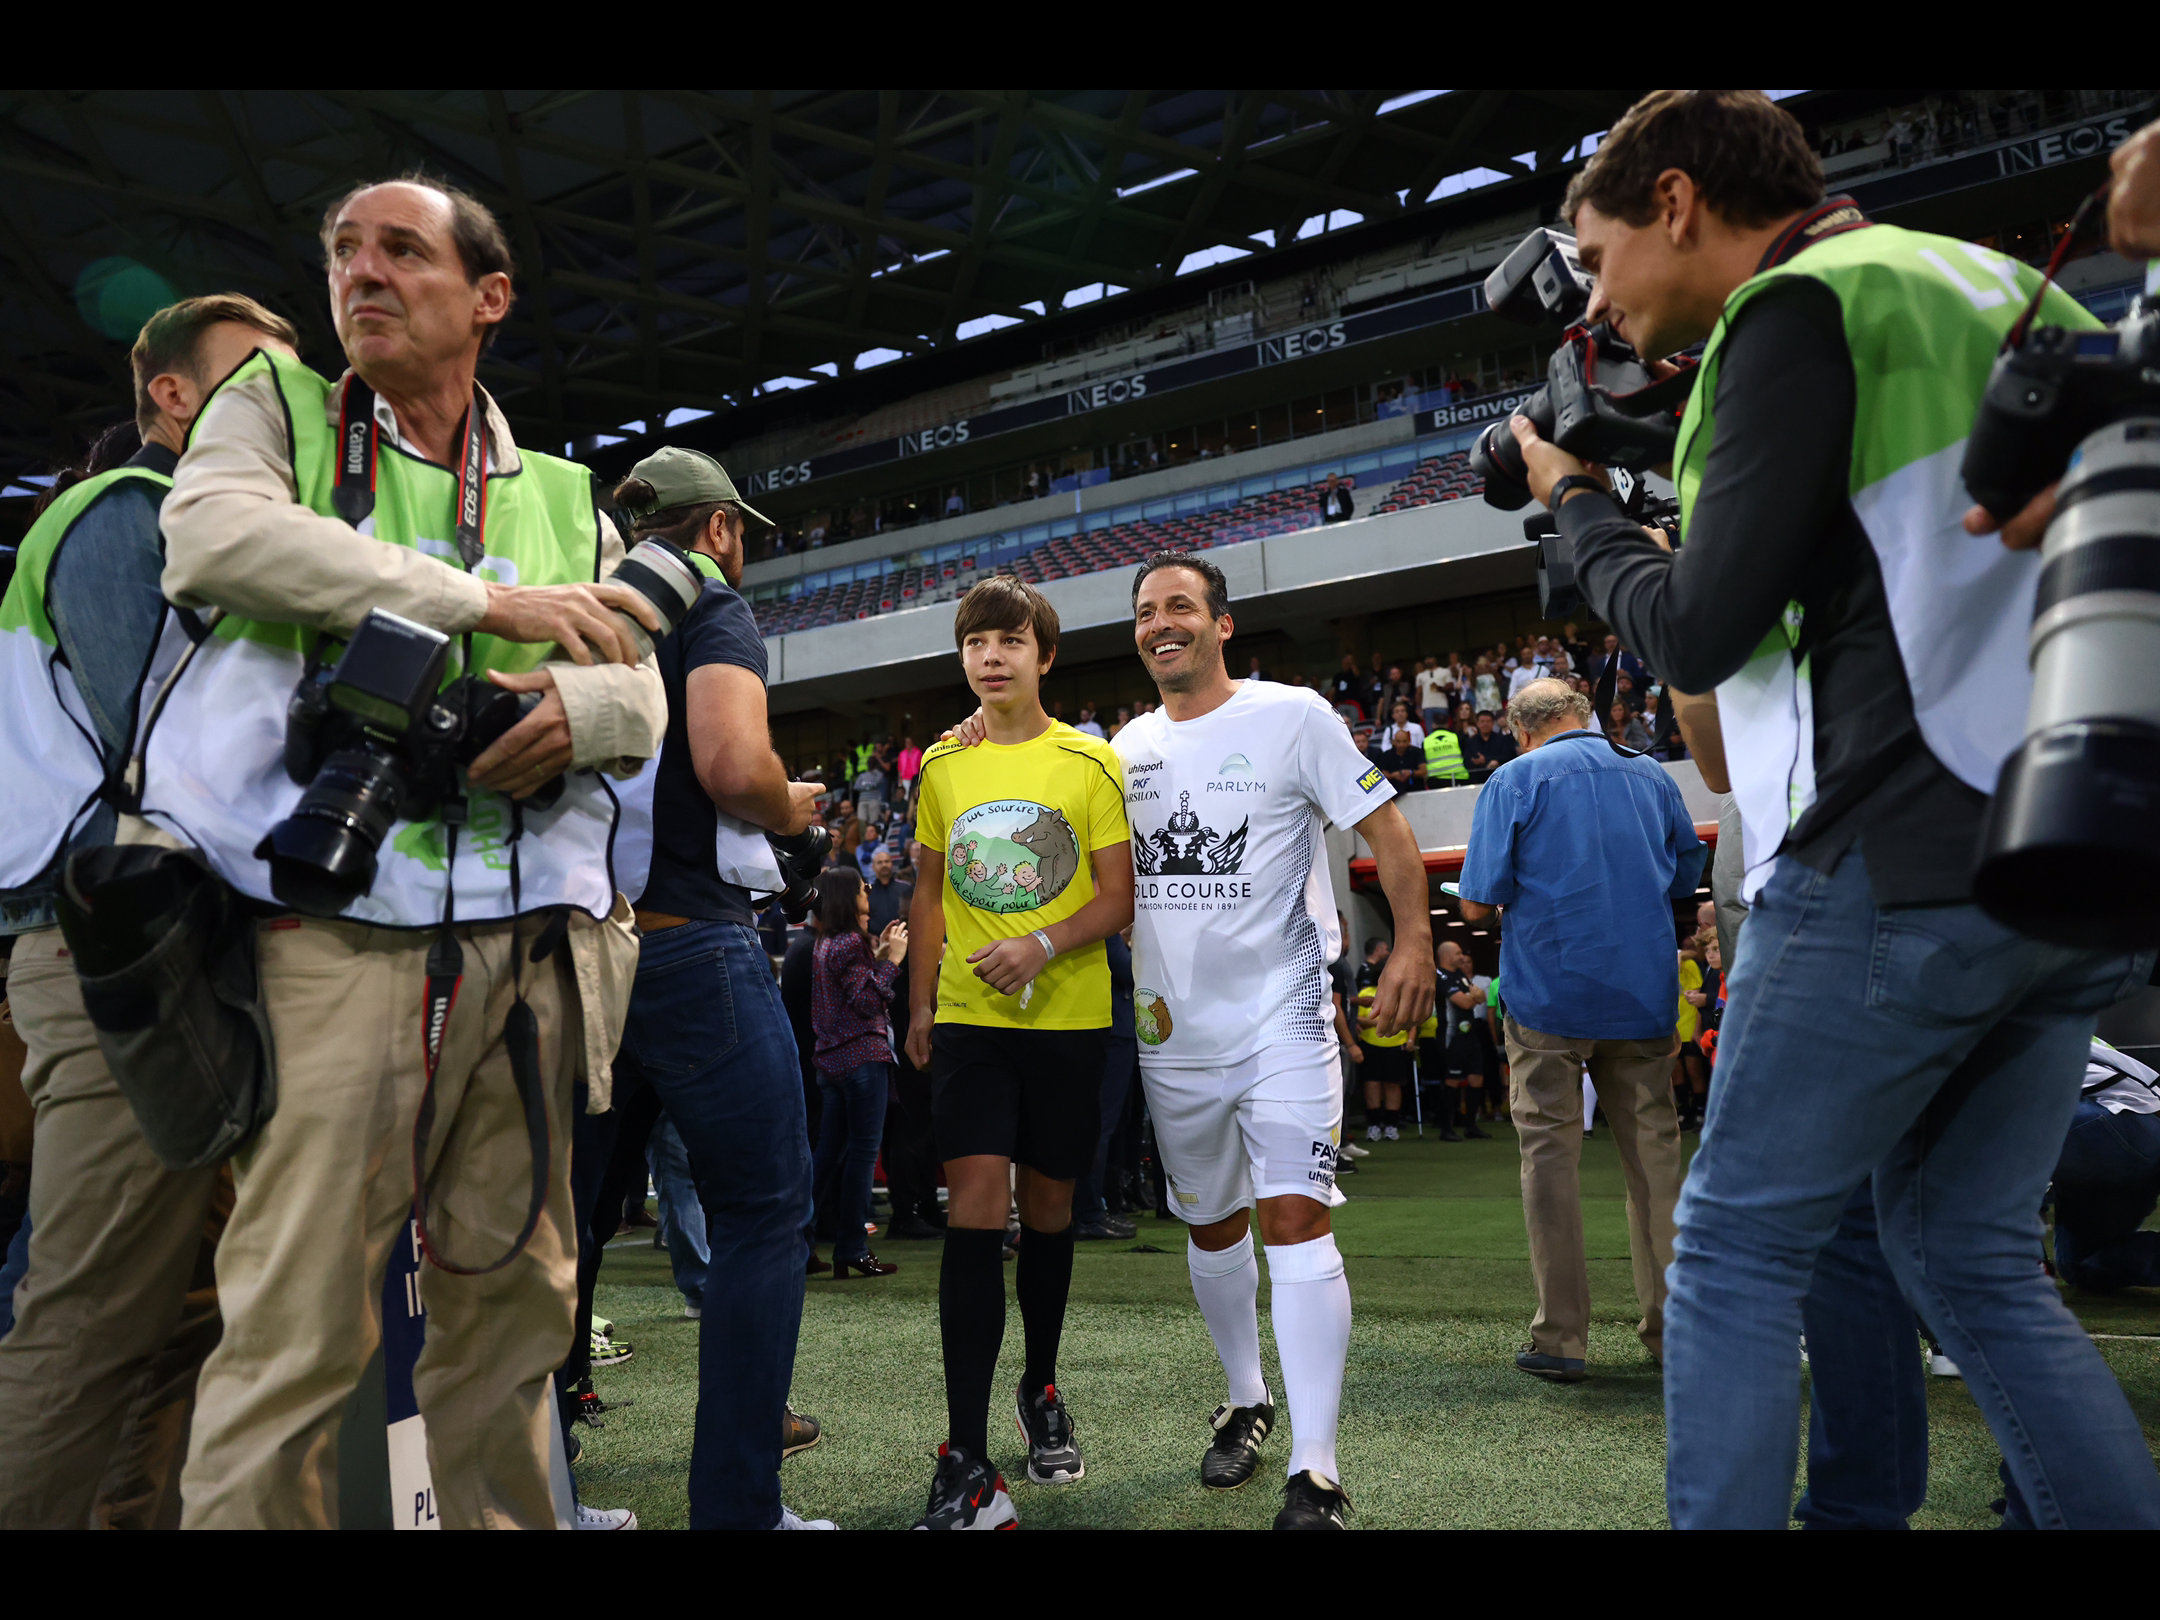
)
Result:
{"points": [[971, 1319], [1044, 1280]]}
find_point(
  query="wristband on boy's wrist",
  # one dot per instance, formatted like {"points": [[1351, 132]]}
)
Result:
{"points": [[1049, 950]]}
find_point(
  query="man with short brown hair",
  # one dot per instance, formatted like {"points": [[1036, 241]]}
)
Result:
{"points": [[118, 1308]]}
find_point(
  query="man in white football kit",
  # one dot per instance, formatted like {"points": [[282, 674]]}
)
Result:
{"points": [[1234, 925]]}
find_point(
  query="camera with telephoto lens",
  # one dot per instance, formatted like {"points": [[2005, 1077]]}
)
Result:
{"points": [[1600, 401], [2071, 849], [378, 738]]}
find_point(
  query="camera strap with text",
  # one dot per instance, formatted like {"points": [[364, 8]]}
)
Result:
{"points": [[359, 444]]}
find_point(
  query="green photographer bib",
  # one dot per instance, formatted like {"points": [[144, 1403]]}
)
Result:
{"points": [[215, 774], [47, 733], [1924, 316]]}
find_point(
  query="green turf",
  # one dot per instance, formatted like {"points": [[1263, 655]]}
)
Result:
{"points": [[1439, 1429]]}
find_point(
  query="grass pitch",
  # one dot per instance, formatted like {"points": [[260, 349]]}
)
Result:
{"points": [[1438, 1431]]}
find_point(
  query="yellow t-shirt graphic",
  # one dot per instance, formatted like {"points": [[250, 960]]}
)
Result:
{"points": [[1017, 826]]}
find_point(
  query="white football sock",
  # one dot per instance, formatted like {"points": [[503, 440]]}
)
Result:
{"points": [[1312, 1336], [1226, 1282]]}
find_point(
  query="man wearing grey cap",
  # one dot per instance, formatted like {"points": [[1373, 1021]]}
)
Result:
{"points": [[707, 1030]]}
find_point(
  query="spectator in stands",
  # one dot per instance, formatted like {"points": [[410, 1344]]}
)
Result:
{"points": [[1370, 696], [1394, 689], [1347, 685], [1465, 720], [1524, 672], [1485, 687], [1563, 665], [1124, 719], [1432, 693], [1625, 727], [1404, 764], [1444, 765], [909, 767], [888, 895], [1087, 721], [955, 503], [1577, 649], [1335, 501], [847, 831], [1630, 665], [872, 788], [1626, 691], [1487, 750], [1399, 720]]}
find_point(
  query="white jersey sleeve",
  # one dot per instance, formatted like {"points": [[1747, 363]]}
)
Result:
{"points": [[1345, 785]]}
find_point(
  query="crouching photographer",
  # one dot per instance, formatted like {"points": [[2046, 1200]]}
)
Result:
{"points": [[1863, 648], [707, 1030], [440, 952]]}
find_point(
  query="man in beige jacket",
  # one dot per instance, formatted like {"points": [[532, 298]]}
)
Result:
{"points": [[459, 530]]}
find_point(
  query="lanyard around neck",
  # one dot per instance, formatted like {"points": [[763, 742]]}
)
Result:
{"points": [[359, 444]]}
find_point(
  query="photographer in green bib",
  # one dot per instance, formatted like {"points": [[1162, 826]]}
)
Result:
{"points": [[429, 1035], [1893, 1062], [116, 1310]]}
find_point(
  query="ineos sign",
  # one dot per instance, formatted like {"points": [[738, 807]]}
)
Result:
{"points": [[1115, 392], [772, 478], [937, 438], [1295, 345]]}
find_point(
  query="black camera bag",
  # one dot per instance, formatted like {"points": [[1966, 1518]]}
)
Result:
{"points": [[165, 952]]}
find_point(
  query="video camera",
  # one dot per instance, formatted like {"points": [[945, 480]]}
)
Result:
{"points": [[2070, 853], [1559, 596], [379, 737], [1600, 401]]}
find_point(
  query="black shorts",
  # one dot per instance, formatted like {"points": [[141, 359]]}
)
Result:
{"points": [[1030, 1095], [1465, 1057], [1384, 1065]]}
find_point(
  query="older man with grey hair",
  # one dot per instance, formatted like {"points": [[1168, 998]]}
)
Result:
{"points": [[1586, 848]]}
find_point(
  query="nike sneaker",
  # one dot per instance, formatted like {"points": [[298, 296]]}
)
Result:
{"points": [[1233, 1456], [967, 1493], [1053, 1450], [1312, 1503]]}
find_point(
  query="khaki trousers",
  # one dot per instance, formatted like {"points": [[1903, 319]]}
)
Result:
{"points": [[118, 1309], [1545, 1096], [326, 1188]]}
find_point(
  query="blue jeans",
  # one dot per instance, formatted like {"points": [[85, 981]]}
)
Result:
{"points": [[682, 1217], [1867, 1459], [1121, 1061], [1943, 1053], [11, 1273], [708, 1033], [850, 1127], [2106, 1182]]}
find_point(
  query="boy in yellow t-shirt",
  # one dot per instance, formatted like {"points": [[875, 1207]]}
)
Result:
{"points": [[1025, 868]]}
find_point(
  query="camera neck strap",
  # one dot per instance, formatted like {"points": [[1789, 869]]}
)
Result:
{"points": [[1833, 216], [360, 446]]}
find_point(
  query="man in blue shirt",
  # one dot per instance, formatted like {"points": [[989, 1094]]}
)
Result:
{"points": [[1587, 848]]}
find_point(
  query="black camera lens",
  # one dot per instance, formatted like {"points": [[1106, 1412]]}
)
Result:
{"points": [[1498, 460], [801, 857], [322, 856]]}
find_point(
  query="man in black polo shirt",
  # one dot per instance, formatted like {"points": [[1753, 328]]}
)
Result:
{"points": [[1461, 1006]]}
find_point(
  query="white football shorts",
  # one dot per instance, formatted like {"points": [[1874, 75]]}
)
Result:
{"points": [[1264, 1128]]}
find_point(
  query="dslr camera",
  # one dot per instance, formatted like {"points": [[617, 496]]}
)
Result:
{"points": [[378, 738], [1600, 401], [2071, 848]]}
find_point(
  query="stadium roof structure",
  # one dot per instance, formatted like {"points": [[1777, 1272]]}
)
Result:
{"points": [[688, 252]]}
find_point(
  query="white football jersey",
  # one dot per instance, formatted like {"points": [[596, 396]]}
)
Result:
{"points": [[1233, 914]]}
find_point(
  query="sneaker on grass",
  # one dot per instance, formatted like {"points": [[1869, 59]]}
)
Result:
{"points": [[791, 1520], [1053, 1448], [605, 1518], [967, 1493]]}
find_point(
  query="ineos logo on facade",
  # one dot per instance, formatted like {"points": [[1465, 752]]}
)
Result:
{"points": [[937, 438], [1295, 345], [1115, 392], [773, 478], [2087, 140]]}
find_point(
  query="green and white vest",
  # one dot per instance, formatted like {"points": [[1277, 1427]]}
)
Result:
{"points": [[214, 773], [1924, 317], [48, 738], [740, 854], [1443, 758]]}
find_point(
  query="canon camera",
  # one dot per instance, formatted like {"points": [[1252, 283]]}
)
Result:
{"points": [[2071, 850], [379, 737]]}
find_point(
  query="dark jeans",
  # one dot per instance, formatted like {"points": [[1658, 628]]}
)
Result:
{"points": [[2106, 1182], [1121, 1060], [1867, 1425], [707, 1032], [849, 1131]]}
